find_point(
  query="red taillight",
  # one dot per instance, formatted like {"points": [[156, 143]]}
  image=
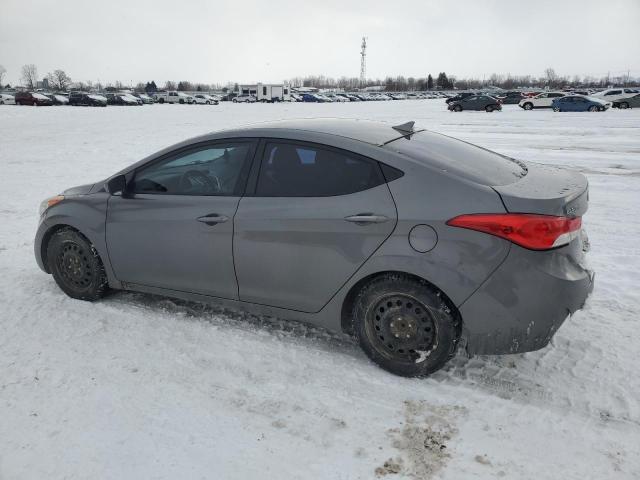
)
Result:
{"points": [[536, 232]]}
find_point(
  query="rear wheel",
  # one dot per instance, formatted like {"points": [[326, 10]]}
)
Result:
{"points": [[528, 106], [457, 108], [623, 105], [76, 265], [594, 108], [404, 325]]}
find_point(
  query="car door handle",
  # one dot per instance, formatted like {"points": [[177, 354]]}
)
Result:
{"points": [[365, 218], [213, 219]]}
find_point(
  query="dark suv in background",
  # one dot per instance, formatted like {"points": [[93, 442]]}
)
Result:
{"points": [[32, 98], [87, 99], [511, 98]]}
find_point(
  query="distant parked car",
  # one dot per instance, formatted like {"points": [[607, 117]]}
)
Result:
{"points": [[312, 97], [122, 99], [615, 94], [84, 99], [631, 102], [542, 100], [204, 99], [57, 98], [337, 98], [475, 102], [32, 98], [578, 103], [146, 99], [460, 96], [244, 98], [7, 99], [511, 98]]}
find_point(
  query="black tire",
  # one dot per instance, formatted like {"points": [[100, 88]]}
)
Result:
{"points": [[623, 105], [593, 108], [528, 106], [405, 325], [489, 108], [556, 109], [161, 100], [76, 265], [457, 108]]}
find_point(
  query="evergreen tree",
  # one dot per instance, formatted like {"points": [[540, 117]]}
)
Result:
{"points": [[429, 82]]}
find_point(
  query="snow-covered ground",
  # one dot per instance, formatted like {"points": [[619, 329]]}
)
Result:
{"points": [[142, 387]]}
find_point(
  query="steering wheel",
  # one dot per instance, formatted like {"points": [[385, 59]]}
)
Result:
{"points": [[196, 179]]}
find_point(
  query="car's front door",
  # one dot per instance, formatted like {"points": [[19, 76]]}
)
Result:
{"points": [[173, 227], [315, 215]]}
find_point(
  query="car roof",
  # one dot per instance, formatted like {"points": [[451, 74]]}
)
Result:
{"points": [[374, 133]]}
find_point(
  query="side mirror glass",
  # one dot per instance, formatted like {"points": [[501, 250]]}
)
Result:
{"points": [[116, 185]]}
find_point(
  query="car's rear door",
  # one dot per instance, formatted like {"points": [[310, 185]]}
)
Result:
{"points": [[173, 228], [314, 217]]}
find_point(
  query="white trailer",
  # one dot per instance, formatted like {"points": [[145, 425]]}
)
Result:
{"points": [[267, 92]]}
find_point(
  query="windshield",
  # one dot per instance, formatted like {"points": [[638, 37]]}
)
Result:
{"points": [[460, 158]]}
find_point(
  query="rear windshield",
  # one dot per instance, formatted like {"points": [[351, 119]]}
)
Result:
{"points": [[460, 158]]}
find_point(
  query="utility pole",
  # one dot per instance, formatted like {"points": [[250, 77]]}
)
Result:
{"points": [[363, 62]]}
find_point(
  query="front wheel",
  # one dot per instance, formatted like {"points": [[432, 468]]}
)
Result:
{"points": [[623, 105], [593, 108], [528, 106], [457, 108], [556, 109], [405, 325], [489, 108], [76, 265]]}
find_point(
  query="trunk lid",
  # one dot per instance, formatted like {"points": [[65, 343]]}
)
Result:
{"points": [[548, 191]]}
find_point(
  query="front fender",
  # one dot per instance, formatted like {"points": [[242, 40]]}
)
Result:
{"points": [[87, 214]]}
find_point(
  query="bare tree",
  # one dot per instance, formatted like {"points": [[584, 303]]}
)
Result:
{"points": [[550, 73], [30, 76], [2, 72], [59, 80], [169, 85]]}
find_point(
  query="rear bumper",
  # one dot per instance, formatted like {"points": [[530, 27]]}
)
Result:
{"points": [[524, 302]]}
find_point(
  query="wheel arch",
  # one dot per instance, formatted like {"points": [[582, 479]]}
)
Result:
{"points": [[46, 237], [349, 298]]}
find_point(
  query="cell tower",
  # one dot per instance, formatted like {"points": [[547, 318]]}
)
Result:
{"points": [[363, 62]]}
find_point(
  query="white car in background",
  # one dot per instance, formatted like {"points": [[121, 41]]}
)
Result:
{"points": [[615, 94], [204, 99], [244, 99], [542, 100], [336, 98], [6, 99]]}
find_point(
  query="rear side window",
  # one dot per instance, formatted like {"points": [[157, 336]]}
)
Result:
{"points": [[460, 158], [301, 170]]}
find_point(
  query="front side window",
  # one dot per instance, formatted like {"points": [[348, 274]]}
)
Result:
{"points": [[219, 169], [299, 170], [613, 92]]}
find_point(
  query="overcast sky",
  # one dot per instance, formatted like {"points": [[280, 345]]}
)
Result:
{"points": [[215, 41]]}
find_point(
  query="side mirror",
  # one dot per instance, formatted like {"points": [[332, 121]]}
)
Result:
{"points": [[117, 185]]}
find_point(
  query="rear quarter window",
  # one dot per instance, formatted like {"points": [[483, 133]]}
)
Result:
{"points": [[460, 158]]}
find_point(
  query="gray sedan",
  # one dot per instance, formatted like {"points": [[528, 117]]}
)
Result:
{"points": [[414, 242]]}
